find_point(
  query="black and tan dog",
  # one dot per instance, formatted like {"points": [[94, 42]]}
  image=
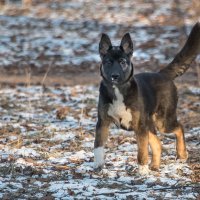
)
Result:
{"points": [[144, 102]]}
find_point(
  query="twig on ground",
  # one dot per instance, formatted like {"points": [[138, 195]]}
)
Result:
{"points": [[48, 69]]}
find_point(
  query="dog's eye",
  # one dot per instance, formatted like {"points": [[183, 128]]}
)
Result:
{"points": [[108, 62], [122, 61]]}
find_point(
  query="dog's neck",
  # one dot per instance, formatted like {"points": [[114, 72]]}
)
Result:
{"points": [[124, 88]]}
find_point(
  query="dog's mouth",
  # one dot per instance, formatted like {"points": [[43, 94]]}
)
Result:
{"points": [[114, 81]]}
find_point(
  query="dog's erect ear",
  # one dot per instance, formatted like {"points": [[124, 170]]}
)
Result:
{"points": [[104, 44], [127, 44]]}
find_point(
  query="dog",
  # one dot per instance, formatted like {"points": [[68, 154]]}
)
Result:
{"points": [[144, 103]]}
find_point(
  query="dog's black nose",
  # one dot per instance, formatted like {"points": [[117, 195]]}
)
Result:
{"points": [[114, 77]]}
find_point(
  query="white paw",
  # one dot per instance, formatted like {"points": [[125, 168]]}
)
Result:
{"points": [[143, 170], [99, 157]]}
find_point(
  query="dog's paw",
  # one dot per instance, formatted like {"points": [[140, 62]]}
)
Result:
{"points": [[98, 166], [98, 159], [98, 169], [182, 158], [154, 167], [143, 170]]}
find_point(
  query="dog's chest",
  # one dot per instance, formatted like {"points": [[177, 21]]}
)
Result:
{"points": [[119, 112]]}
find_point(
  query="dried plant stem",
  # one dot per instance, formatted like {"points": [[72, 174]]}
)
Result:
{"points": [[45, 75], [81, 118], [28, 83], [28, 76]]}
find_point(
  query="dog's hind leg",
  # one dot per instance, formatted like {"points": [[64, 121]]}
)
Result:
{"points": [[180, 143], [100, 140], [156, 149], [173, 126]]}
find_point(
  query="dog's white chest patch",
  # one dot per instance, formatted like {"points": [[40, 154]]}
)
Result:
{"points": [[119, 112]]}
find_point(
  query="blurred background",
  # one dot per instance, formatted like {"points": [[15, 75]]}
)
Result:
{"points": [[56, 41]]}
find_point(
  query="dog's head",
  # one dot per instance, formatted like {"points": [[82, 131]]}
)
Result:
{"points": [[116, 66]]}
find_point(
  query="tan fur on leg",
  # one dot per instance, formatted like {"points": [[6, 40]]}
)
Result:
{"points": [[180, 144], [142, 142], [156, 148]]}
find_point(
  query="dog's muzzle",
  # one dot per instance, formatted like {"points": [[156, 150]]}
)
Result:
{"points": [[115, 78]]}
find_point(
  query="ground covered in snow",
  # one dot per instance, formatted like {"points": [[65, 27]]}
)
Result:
{"points": [[46, 144], [47, 129]]}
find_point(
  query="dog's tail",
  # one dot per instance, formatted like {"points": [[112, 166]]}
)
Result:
{"points": [[188, 53]]}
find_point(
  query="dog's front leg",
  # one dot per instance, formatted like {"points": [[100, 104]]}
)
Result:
{"points": [[142, 142], [100, 140]]}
